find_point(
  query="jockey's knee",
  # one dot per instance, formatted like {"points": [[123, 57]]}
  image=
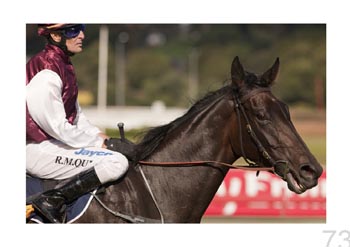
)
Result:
{"points": [[112, 168]]}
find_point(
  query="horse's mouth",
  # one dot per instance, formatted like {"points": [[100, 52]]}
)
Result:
{"points": [[294, 184]]}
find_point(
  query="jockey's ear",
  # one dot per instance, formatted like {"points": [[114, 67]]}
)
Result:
{"points": [[271, 74], [237, 72]]}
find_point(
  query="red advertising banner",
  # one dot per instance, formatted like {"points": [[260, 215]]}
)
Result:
{"points": [[243, 194]]}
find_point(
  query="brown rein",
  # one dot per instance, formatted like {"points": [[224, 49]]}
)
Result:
{"points": [[206, 162], [252, 166]]}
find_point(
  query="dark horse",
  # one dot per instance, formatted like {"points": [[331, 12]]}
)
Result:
{"points": [[181, 165]]}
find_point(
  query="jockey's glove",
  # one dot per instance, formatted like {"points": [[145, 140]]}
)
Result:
{"points": [[124, 146]]}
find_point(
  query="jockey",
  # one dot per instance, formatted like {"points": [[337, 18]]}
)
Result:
{"points": [[61, 142]]}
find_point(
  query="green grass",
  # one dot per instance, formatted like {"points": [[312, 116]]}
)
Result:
{"points": [[317, 146]]}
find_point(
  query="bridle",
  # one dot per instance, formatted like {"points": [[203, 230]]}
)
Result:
{"points": [[252, 166], [238, 105]]}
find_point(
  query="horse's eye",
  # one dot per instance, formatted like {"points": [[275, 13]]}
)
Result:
{"points": [[260, 115]]}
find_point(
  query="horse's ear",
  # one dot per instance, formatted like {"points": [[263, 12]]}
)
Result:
{"points": [[271, 74], [237, 72]]}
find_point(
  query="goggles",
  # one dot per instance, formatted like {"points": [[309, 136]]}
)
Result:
{"points": [[73, 31]]}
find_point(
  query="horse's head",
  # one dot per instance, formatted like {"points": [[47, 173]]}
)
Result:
{"points": [[268, 135]]}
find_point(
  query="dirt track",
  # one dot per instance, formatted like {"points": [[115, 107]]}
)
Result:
{"points": [[310, 127], [309, 123]]}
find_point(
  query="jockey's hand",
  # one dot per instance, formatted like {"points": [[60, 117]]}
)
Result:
{"points": [[104, 137], [124, 146]]}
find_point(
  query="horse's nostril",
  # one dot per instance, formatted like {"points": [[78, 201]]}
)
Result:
{"points": [[307, 171]]}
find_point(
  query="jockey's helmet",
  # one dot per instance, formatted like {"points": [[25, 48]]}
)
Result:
{"points": [[68, 30]]}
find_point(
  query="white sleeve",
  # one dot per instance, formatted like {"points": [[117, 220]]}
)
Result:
{"points": [[83, 123], [45, 105]]}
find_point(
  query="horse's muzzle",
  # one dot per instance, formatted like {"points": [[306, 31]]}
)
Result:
{"points": [[309, 174], [303, 179]]}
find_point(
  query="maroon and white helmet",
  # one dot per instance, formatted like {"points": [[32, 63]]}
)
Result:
{"points": [[68, 30]]}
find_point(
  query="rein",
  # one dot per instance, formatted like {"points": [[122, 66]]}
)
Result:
{"points": [[206, 162]]}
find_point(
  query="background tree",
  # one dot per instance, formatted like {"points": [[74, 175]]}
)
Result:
{"points": [[158, 55]]}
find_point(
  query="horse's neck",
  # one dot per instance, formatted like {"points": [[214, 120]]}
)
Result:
{"points": [[185, 192], [202, 138]]}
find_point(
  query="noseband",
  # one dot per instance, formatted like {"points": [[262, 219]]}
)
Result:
{"points": [[238, 105]]}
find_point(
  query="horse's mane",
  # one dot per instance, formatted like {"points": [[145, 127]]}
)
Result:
{"points": [[154, 136]]}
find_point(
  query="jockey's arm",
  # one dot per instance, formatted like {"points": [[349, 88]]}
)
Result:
{"points": [[46, 107]]}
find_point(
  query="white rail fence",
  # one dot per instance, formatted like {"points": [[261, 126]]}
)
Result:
{"points": [[132, 116]]}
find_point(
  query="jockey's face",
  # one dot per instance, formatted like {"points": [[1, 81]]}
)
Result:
{"points": [[74, 45]]}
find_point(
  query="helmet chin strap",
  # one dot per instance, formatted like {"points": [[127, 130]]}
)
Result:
{"points": [[61, 44]]}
